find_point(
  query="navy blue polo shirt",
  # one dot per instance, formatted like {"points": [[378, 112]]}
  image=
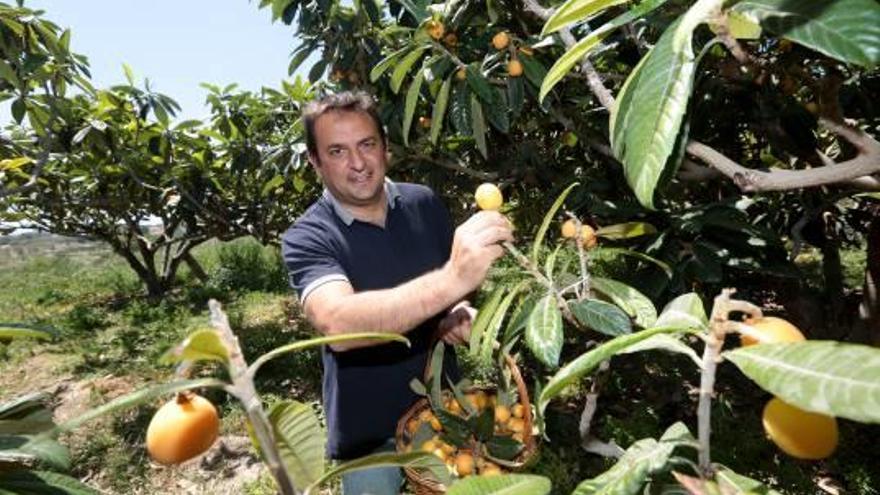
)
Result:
{"points": [[366, 390]]}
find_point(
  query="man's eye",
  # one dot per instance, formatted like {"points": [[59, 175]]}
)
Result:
{"points": [[369, 144], [335, 151]]}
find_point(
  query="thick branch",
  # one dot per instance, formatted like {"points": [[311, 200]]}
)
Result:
{"points": [[865, 164]]}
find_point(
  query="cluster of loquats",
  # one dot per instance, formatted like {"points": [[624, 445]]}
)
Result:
{"points": [[587, 235], [798, 433], [464, 454]]}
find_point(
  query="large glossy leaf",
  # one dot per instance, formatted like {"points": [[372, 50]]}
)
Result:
{"points": [[544, 331], [648, 113], [412, 99], [587, 362], [386, 63], [300, 440], [490, 336], [201, 345], [641, 459], [848, 30], [422, 461], [831, 378], [42, 448], [484, 317], [548, 219], [439, 111], [636, 304], [403, 68], [24, 405], [602, 317], [479, 84], [685, 311], [19, 331], [582, 48], [43, 483], [478, 125], [508, 484], [575, 11]]}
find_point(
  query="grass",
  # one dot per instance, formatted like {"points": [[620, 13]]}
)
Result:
{"points": [[109, 332]]}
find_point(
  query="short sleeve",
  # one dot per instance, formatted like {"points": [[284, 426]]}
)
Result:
{"points": [[310, 261]]}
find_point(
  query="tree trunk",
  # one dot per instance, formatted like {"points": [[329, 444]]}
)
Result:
{"points": [[869, 309], [195, 267], [832, 271]]}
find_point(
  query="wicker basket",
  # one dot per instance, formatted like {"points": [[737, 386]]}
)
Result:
{"points": [[425, 485]]}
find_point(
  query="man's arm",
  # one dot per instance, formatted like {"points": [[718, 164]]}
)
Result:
{"points": [[334, 308]]}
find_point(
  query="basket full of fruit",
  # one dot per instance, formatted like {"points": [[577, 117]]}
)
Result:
{"points": [[474, 430]]}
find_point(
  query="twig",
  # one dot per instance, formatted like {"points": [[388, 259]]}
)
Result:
{"points": [[245, 391], [719, 327]]}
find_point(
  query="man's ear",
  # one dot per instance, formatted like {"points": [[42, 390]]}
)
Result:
{"points": [[313, 159]]}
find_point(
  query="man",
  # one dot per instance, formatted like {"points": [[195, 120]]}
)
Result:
{"points": [[374, 255]]}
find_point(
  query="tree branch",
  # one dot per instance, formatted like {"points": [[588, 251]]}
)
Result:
{"points": [[858, 169]]}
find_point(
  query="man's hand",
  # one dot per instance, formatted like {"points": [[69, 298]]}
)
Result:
{"points": [[477, 244], [455, 328]]}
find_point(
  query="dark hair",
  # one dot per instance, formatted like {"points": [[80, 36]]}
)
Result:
{"points": [[347, 101]]}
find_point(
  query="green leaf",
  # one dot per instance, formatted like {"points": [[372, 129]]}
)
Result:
{"points": [[831, 378], [42, 447], [636, 304], [479, 85], [848, 30], [741, 26], [43, 483], [460, 111], [643, 458], [507, 484], [417, 8], [665, 343], [504, 447], [421, 461], [587, 362], [633, 254], [129, 73], [575, 11], [649, 111], [23, 406], [484, 317], [544, 331], [385, 64], [19, 108], [685, 311], [15, 163], [534, 70], [497, 111], [548, 218], [300, 440], [583, 47], [403, 68], [436, 373], [201, 345], [479, 126], [271, 185], [412, 99], [626, 230], [602, 317], [439, 111], [490, 335], [278, 8], [319, 341], [738, 483], [37, 421], [8, 73], [15, 331]]}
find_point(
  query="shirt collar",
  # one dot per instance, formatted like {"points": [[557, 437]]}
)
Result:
{"points": [[392, 192]]}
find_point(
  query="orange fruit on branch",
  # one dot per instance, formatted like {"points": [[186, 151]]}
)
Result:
{"points": [[464, 464], [771, 330], [435, 29], [514, 68], [501, 40], [182, 429], [799, 433]]}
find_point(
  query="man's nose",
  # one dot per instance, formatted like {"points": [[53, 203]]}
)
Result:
{"points": [[357, 161]]}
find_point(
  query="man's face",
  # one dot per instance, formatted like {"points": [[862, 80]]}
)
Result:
{"points": [[350, 158]]}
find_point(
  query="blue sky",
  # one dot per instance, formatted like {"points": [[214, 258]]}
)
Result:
{"points": [[177, 44]]}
